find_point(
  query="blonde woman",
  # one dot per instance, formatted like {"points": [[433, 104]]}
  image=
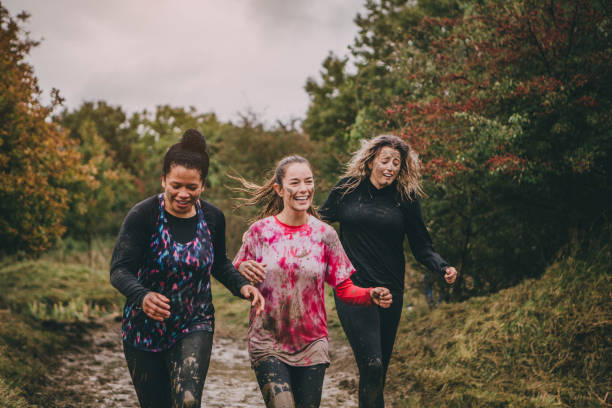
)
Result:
{"points": [[376, 204], [291, 254]]}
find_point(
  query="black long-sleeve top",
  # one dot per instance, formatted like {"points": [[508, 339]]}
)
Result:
{"points": [[134, 239], [373, 223]]}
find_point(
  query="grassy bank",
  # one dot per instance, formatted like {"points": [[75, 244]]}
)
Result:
{"points": [[543, 343], [45, 305]]}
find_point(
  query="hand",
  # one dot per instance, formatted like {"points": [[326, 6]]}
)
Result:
{"points": [[451, 275], [156, 306], [256, 298], [254, 271], [381, 297]]}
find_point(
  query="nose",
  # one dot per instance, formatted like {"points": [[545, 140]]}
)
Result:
{"points": [[183, 192]]}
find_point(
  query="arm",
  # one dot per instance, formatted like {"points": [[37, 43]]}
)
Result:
{"points": [[354, 295], [129, 253], [245, 260], [222, 268], [349, 293], [419, 239]]}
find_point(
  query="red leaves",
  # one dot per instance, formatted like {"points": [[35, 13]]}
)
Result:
{"points": [[506, 163]]}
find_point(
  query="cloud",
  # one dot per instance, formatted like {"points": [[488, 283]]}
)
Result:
{"points": [[217, 56]]}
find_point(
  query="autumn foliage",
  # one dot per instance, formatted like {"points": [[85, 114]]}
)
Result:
{"points": [[38, 162], [508, 104]]}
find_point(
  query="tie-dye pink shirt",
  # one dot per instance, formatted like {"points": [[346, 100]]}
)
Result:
{"points": [[299, 261]]}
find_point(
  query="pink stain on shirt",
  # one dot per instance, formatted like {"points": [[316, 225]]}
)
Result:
{"points": [[299, 261]]}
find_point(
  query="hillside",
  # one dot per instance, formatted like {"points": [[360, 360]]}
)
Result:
{"points": [[544, 343]]}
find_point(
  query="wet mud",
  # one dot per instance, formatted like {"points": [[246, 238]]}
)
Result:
{"points": [[94, 374]]}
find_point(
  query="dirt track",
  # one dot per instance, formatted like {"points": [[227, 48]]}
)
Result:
{"points": [[95, 374]]}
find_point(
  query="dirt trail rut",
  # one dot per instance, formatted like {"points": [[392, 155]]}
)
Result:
{"points": [[95, 375]]}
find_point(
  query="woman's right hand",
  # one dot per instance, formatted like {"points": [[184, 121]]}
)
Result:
{"points": [[254, 271], [382, 297], [156, 306]]}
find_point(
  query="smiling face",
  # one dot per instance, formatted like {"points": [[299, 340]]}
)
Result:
{"points": [[298, 187], [385, 167], [182, 187]]}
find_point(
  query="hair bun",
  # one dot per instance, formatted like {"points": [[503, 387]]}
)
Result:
{"points": [[194, 141]]}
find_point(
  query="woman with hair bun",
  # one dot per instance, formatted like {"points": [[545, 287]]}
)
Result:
{"points": [[167, 248], [376, 203], [291, 254]]}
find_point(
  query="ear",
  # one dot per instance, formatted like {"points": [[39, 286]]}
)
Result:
{"points": [[163, 182], [370, 165], [278, 189]]}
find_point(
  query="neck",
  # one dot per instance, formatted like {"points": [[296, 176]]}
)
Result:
{"points": [[374, 183], [292, 217]]}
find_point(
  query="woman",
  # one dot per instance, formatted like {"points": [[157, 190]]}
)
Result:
{"points": [[290, 253], [168, 247], [376, 204]]}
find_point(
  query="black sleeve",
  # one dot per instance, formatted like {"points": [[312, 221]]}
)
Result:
{"points": [[223, 270], [419, 239], [329, 209], [130, 249]]}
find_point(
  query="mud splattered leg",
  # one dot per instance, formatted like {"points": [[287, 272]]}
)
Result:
{"points": [[307, 385], [149, 376], [187, 363], [363, 330], [275, 383]]}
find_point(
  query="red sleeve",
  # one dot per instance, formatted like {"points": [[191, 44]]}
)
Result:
{"points": [[355, 295]]}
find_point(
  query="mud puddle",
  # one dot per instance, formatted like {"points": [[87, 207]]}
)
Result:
{"points": [[95, 374]]}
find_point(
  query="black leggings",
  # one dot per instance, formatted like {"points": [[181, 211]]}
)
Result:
{"points": [[371, 332], [285, 386], [173, 377]]}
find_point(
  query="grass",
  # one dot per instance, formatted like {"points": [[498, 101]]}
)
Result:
{"points": [[46, 305], [543, 343]]}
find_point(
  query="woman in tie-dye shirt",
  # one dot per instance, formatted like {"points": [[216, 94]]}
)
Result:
{"points": [[290, 253]]}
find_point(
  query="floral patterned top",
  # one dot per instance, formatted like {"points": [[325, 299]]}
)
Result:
{"points": [[148, 258]]}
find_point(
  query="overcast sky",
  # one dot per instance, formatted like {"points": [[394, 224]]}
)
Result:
{"points": [[224, 56]]}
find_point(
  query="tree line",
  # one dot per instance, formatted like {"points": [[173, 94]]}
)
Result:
{"points": [[507, 103]]}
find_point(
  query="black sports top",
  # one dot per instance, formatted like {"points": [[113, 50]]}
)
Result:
{"points": [[373, 223]]}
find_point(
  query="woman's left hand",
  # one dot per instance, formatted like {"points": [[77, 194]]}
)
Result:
{"points": [[451, 275], [381, 296], [256, 298]]}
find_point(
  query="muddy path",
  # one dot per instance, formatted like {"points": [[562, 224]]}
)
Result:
{"points": [[94, 374]]}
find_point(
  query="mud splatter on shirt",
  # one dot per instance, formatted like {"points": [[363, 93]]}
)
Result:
{"points": [[300, 260]]}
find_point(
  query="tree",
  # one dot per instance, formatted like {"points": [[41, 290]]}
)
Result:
{"points": [[510, 108], [347, 106], [37, 160]]}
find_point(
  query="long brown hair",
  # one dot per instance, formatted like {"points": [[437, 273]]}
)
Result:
{"points": [[408, 178], [265, 194]]}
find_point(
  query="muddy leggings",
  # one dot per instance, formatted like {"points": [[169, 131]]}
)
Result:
{"points": [[173, 377], [371, 333], [285, 386]]}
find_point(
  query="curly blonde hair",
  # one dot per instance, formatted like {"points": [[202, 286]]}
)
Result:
{"points": [[408, 178]]}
